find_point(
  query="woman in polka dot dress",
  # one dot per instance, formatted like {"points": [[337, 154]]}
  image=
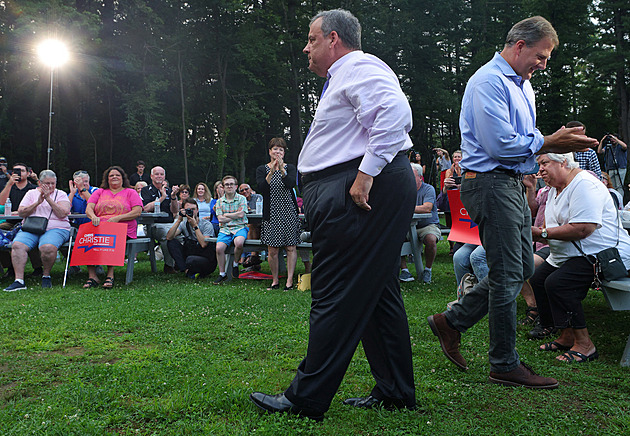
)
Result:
{"points": [[281, 225]]}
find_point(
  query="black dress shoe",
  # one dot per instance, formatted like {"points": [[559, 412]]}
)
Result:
{"points": [[281, 404], [371, 402]]}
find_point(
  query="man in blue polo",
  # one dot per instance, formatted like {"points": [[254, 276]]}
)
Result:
{"points": [[499, 144]]}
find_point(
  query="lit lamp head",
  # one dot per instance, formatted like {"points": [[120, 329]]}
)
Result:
{"points": [[53, 53]]}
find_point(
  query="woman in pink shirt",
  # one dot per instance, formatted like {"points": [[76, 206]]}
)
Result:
{"points": [[115, 202]]}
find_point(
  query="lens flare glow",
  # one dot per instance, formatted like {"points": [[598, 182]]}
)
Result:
{"points": [[53, 53]]}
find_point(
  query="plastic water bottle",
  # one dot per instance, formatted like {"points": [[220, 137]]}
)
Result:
{"points": [[156, 206], [259, 205], [7, 207]]}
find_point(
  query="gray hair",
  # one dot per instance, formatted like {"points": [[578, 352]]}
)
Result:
{"points": [[47, 174], [417, 168], [562, 158], [531, 30], [344, 23]]}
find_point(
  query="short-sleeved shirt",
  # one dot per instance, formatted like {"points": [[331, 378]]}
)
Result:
{"points": [[588, 161], [620, 158], [425, 194], [585, 200], [150, 194], [45, 210], [204, 225], [17, 195], [79, 204], [107, 204], [224, 206]]}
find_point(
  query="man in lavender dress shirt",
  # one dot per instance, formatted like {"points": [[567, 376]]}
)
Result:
{"points": [[499, 144], [353, 155]]}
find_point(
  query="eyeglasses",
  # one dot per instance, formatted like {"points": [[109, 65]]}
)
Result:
{"points": [[78, 173], [243, 190], [229, 184], [185, 192]]}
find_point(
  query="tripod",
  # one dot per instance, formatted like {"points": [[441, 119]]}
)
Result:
{"points": [[609, 151]]}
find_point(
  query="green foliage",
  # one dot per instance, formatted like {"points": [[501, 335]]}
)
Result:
{"points": [[245, 78]]}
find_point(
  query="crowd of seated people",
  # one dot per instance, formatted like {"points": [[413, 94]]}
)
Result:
{"points": [[191, 216]]}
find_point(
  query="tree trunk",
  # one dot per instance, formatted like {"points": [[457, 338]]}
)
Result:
{"points": [[181, 91]]}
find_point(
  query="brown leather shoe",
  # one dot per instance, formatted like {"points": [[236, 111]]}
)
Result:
{"points": [[449, 339], [524, 376]]}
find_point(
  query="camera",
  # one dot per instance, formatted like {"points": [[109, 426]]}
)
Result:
{"points": [[186, 212], [608, 142], [458, 180]]}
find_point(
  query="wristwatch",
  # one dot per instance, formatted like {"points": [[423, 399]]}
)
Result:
{"points": [[83, 190], [544, 233], [196, 228]]}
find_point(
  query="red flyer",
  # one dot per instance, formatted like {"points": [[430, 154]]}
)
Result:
{"points": [[463, 228], [102, 245]]}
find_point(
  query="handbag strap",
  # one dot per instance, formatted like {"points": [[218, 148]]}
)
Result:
{"points": [[592, 262], [54, 201]]}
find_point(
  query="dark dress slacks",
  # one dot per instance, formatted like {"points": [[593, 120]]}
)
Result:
{"points": [[355, 288]]}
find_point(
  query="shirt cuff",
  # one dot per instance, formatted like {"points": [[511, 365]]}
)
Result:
{"points": [[372, 165], [537, 143]]}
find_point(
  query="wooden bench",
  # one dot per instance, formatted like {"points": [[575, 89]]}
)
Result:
{"points": [[250, 245], [617, 294]]}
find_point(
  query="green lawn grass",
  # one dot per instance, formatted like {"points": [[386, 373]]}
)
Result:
{"points": [[170, 356]]}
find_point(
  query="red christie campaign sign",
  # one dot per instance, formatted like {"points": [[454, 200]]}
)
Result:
{"points": [[102, 245], [463, 228]]}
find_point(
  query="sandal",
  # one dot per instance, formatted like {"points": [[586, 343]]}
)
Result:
{"points": [[570, 357], [91, 283], [274, 287], [108, 283], [530, 318], [553, 346], [288, 288]]}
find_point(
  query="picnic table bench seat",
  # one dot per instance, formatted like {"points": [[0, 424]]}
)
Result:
{"points": [[250, 245], [617, 294]]}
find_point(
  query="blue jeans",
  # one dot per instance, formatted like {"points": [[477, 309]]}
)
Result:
{"points": [[470, 258], [496, 202]]}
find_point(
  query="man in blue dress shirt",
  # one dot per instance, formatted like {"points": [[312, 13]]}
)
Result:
{"points": [[499, 144]]}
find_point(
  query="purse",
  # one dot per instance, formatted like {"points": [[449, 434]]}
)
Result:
{"points": [[37, 225], [607, 264]]}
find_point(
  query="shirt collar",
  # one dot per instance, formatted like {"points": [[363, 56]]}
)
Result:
{"points": [[507, 70], [341, 61]]}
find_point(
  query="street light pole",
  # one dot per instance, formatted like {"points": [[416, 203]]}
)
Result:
{"points": [[50, 114], [54, 54]]}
